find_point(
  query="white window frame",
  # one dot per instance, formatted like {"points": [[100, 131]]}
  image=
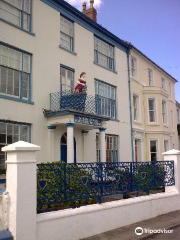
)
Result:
{"points": [[138, 107], [164, 113], [155, 111], [157, 148], [163, 83], [70, 36], [150, 77], [134, 72]]}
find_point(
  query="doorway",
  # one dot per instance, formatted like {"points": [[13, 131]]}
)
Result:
{"points": [[64, 148]]}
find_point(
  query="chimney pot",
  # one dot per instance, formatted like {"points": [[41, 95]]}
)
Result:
{"points": [[84, 6], [91, 3]]}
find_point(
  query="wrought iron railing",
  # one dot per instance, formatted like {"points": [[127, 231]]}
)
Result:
{"points": [[81, 102], [62, 183]]}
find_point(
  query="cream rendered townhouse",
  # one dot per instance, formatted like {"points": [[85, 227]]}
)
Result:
{"points": [[153, 108], [44, 47]]}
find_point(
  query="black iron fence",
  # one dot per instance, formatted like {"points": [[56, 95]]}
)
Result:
{"points": [[63, 183]]}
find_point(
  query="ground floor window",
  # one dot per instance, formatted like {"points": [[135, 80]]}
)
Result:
{"points": [[10, 133], [111, 148], [153, 150]]}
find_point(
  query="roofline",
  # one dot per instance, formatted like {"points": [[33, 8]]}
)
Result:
{"points": [[154, 63], [83, 18]]}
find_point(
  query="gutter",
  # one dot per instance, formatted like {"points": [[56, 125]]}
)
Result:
{"points": [[130, 105]]}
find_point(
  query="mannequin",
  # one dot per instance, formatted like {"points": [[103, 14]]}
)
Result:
{"points": [[81, 84]]}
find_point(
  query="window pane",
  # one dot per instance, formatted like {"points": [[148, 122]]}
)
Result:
{"points": [[151, 104], [25, 133], [10, 13]]}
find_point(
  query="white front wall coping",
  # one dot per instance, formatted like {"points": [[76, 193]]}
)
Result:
{"points": [[43, 217], [21, 146], [172, 152]]}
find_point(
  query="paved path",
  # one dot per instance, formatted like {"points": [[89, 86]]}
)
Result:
{"points": [[165, 221]]}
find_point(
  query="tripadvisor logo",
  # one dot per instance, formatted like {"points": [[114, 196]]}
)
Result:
{"points": [[139, 231]]}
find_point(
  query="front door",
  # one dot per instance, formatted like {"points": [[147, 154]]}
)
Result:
{"points": [[64, 148]]}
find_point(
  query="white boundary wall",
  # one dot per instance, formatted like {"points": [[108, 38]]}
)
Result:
{"points": [[74, 224]]}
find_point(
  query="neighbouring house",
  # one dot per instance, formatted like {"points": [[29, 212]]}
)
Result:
{"points": [[44, 47], [154, 108]]}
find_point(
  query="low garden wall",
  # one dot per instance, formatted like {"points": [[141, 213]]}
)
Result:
{"points": [[74, 224]]}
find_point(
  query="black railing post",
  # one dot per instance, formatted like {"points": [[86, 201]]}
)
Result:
{"points": [[65, 183], [131, 172], [100, 183]]}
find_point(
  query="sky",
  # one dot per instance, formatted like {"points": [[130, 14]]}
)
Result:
{"points": [[152, 26]]}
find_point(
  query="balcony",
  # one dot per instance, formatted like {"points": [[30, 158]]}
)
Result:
{"points": [[82, 104]]}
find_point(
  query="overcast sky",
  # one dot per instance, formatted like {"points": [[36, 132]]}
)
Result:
{"points": [[153, 26]]}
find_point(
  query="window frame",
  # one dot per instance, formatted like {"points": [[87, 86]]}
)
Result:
{"points": [[134, 69], [155, 111], [138, 107], [165, 112], [22, 14], [71, 37], [157, 149], [163, 83], [20, 135], [102, 99], [110, 60], [115, 157], [22, 73], [72, 80], [150, 79]]}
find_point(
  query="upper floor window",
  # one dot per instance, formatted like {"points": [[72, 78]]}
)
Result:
{"points": [[152, 110], [111, 148], [163, 83], [170, 95], [17, 12], [14, 73], [164, 112], [150, 77], [106, 95], [10, 133], [103, 54], [66, 34], [135, 107], [133, 67], [66, 79]]}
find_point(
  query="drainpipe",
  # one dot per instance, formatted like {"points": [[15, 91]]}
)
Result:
{"points": [[130, 106]]}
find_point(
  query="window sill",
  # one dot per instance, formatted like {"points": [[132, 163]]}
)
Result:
{"points": [[16, 99], [67, 50], [153, 124], [105, 67], [31, 33]]}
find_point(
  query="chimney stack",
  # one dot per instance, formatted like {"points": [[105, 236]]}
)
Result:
{"points": [[84, 6], [91, 12]]}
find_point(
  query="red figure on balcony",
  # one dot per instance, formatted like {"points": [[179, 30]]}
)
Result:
{"points": [[81, 86]]}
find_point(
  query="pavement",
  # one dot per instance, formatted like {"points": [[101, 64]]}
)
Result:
{"points": [[169, 223]]}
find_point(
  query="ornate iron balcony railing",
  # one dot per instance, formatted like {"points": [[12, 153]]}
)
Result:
{"points": [[63, 183], [80, 102]]}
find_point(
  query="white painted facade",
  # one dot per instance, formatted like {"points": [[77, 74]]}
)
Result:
{"points": [[45, 79]]}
